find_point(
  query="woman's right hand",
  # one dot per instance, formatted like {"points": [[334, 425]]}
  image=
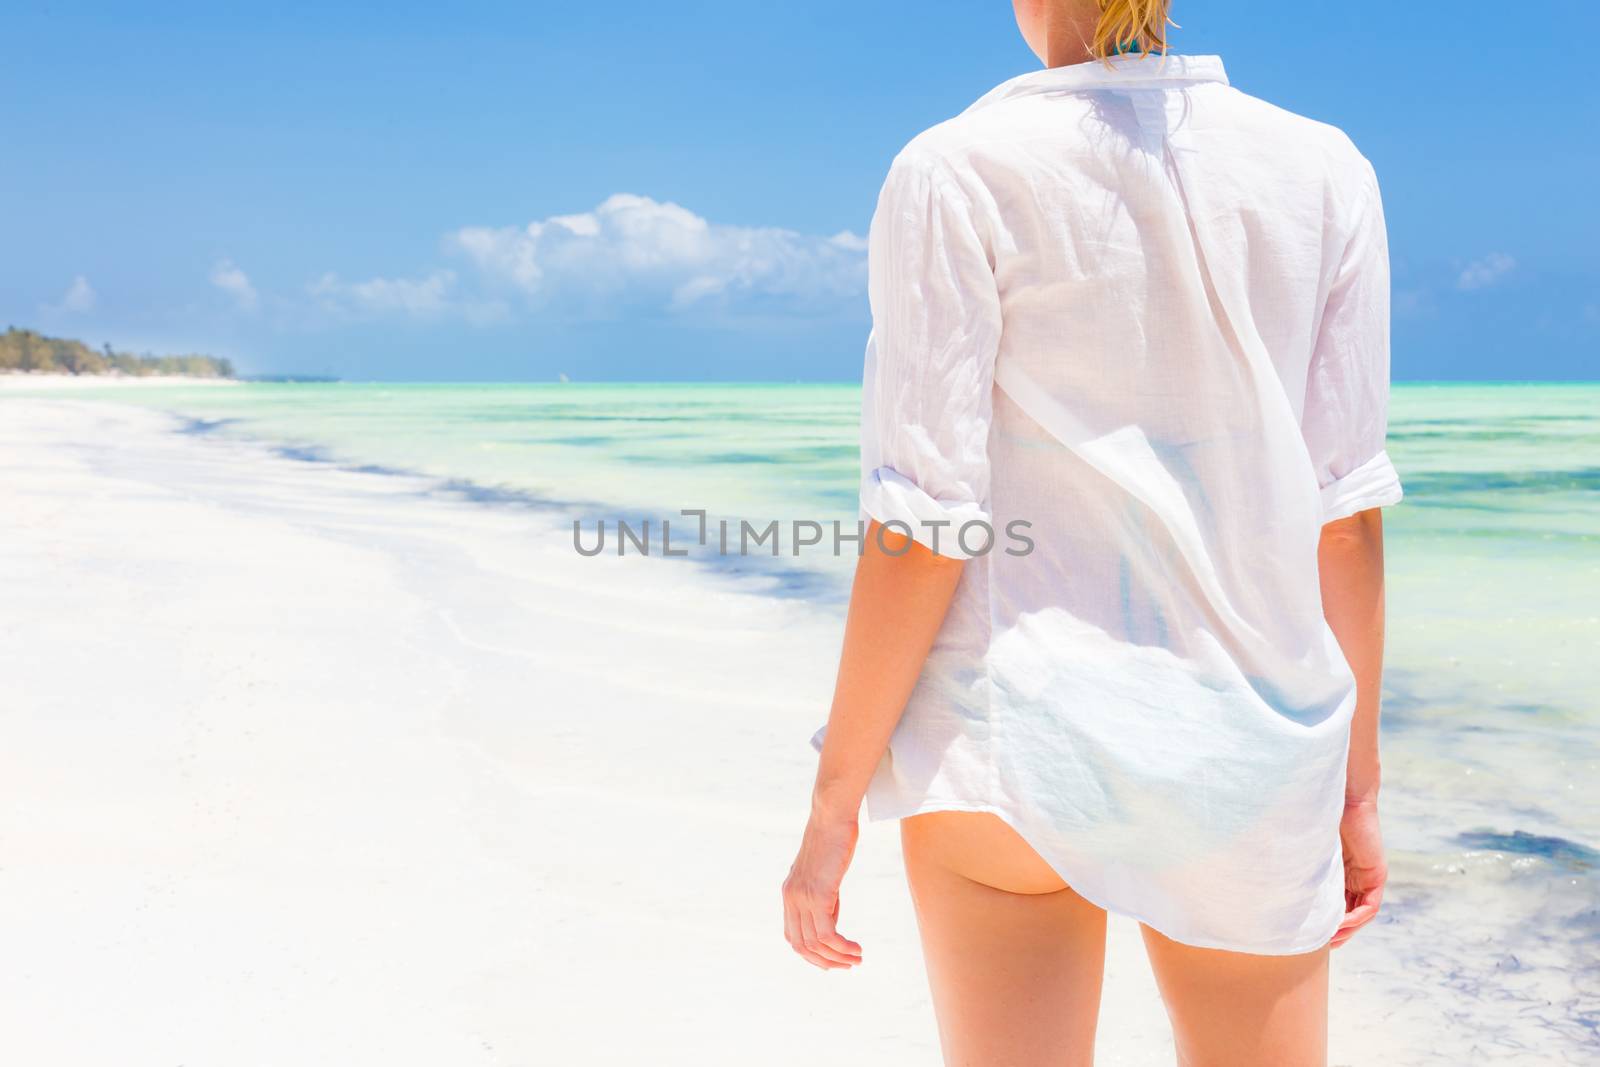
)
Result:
{"points": [[1365, 870], [811, 893]]}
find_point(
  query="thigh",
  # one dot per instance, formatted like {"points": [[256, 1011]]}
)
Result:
{"points": [[1014, 956], [1240, 1010]]}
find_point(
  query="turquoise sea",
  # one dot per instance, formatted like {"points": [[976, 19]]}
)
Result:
{"points": [[1492, 715]]}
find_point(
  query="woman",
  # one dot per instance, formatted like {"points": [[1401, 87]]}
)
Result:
{"points": [[1115, 636]]}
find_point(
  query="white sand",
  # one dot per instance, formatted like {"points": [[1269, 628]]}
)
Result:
{"points": [[306, 766]]}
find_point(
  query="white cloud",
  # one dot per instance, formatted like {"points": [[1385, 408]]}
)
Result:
{"points": [[638, 251], [79, 298], [416, 297], [235, 282], [630, 254], [1481, 273]]}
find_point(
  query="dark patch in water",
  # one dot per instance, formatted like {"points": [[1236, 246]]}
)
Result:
{"points": [[304, 453], [580, 440], [199, 427], [1452, 435], [580, 416], [1499, 425], [781, 576], [1558, 849], [1446, 484], [1415, 699], [494, 495], [822, 453]]}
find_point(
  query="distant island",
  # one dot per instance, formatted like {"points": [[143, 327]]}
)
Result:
{"points": [[29, 350]]}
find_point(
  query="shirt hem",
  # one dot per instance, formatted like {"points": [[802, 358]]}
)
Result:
{"points": [[881, 812]]}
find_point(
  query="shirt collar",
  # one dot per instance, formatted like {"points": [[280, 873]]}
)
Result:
{"points": [[1127, 71]]}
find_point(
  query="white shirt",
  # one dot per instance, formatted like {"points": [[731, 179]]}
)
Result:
{"points": [[1147, 315]]}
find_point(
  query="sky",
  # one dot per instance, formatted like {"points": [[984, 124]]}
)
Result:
{"points": [[679, 191]]}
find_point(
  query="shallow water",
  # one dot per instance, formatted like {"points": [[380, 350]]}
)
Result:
{"points": [[1490, 936]]}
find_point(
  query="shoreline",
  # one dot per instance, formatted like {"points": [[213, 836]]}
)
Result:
{"points": [[778, 577]]}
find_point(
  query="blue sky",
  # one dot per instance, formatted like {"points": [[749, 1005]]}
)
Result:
{"points": [[501, 191]]}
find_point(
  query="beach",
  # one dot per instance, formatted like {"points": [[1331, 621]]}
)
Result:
{"points": [[319, 754]]}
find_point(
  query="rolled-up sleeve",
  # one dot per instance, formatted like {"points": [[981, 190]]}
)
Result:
{"points": [[1346, 418], [927, 390]]}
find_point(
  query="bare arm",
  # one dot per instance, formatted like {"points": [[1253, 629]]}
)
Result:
{"points": [[1350, 560], [897, 604]]}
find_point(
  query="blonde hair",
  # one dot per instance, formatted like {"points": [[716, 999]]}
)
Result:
{"points": [[1138, 23]]}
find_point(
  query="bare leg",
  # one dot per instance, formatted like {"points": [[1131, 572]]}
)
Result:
{"points": [[1014, 956], [1231, 1009]]}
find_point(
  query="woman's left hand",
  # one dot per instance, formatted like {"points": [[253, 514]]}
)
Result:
{"points": [[811, 893], [1365, 869]]}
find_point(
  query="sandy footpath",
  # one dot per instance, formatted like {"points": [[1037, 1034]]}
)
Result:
{"points": [[309, 766]]}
